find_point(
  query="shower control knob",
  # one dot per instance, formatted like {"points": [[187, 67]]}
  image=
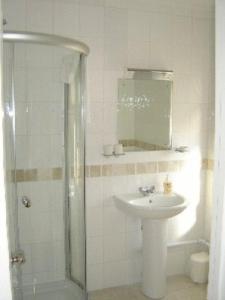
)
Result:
{"points": [[26, 202]]}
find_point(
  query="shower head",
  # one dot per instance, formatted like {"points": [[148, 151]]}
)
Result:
{"points": [[4, 21]]}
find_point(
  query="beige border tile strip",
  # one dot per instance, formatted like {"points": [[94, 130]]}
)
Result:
{"points": [[142, 168], [208, 164], [36, 175], [153, 167]]}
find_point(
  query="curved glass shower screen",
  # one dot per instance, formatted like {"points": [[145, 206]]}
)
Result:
{"points": [[44, 155]]}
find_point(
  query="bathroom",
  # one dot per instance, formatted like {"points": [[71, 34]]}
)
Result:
{"points": [[62, 116]]}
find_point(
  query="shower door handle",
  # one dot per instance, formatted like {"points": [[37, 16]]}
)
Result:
{"points": [[18, 258]]}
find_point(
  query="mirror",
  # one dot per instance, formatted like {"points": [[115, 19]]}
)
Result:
{"points": [[144, 111]]}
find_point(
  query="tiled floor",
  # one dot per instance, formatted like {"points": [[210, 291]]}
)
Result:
{"points": [[179, 288]]}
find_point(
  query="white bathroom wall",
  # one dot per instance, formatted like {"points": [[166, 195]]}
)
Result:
{"points": [[174, 35]]}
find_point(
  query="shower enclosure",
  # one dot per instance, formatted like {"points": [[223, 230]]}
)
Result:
{"points": [[43, 94]]}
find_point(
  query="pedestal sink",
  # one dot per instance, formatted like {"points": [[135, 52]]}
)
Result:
{"points": [[154, 210]]}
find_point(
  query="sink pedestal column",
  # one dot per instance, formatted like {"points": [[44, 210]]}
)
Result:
{"points": [[154, 258]]}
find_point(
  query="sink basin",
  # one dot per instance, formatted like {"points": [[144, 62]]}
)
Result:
{"points": [[154, 206], [154, 210]]}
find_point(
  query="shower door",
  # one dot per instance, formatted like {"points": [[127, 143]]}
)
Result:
{"points": [[10, 163], [44, 147], [74, 174]]}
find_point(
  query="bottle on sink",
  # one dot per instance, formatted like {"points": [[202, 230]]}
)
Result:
{"points": [[167, 186]]}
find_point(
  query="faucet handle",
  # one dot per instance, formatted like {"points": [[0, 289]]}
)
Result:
{"points": [[152, 188], [146, 190]]}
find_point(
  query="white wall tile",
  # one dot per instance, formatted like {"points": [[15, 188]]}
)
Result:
{"points": [[116, 21], [40, 84], [39, 56], [161, 41], [22, 152], [139, 55], [94, 250], [20, 85], [162, 6], [115, 54], [15, 14], [40, 147], [109, 118], [58, 225], [57, 195], [91, 21], [92, 2], [43, 257], [44, 118], [95, 85], [111, 84], [94, 148], [114, 247], [96, 56], [21, 118], [95, 282], [41, 231], [25, 228], [59, 257], [56, 149], [94, 222], [114, 221], [40, 16], [117, 3], [66, 19], [94, 192], [182, 7], [108, 191], [95, 117], [138, 27]]}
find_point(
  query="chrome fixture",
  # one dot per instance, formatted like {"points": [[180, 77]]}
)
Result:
{"points": [[4, 21], [45, 39], [18, 258], [182, 149], [151, 73], [26, 201], [146, 190]]}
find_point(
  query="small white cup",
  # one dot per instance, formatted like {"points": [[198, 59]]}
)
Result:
{"points": [[118, 149], [108, 150]]}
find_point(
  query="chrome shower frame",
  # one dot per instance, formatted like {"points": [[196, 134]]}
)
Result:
{"points": [[45, 39], [83, 50]]}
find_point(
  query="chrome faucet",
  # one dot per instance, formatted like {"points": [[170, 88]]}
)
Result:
{"points": [[146, 190]]}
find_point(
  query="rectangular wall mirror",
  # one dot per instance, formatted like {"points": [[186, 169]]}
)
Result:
{"points": [[144, 115]]}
